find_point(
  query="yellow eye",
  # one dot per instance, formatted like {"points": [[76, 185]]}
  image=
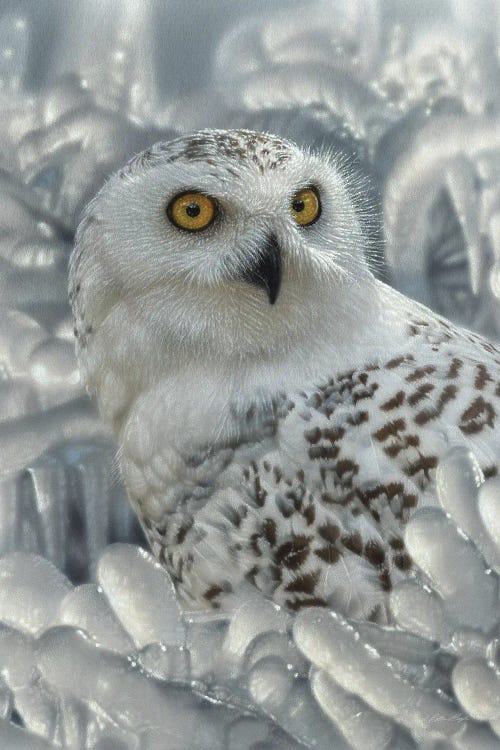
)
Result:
{"points": [[305, 206], [192, 211]]}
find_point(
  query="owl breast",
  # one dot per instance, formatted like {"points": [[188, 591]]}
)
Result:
{"points": [[309, 501]]}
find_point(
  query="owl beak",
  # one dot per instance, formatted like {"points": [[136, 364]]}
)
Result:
{"points": [[266, 270]]}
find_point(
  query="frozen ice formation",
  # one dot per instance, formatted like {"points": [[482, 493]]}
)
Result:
{"points": [[94, 651], [117, 663], [457, 602]]}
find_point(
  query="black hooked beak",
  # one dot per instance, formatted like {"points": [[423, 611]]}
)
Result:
{"points": [[266, 269]]}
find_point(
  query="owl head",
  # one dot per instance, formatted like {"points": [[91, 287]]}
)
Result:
{"points": [[221, 246]]}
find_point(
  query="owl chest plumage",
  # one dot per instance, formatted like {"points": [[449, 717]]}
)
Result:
{"points": [[308, 502], [280, 412]]}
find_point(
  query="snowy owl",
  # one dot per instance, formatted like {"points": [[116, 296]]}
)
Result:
{"points": [[279, 411]]}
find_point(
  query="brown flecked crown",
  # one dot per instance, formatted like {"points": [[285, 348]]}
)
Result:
{"points": [[266, 151]]}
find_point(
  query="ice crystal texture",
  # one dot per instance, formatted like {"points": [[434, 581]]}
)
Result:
{"points": [[94, 652]]}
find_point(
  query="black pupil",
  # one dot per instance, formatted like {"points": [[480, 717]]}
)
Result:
{"points": [[193, 210], [298, 205]]}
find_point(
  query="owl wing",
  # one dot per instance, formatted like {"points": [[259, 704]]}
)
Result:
{"points": [[319, 515], [312, 509]]}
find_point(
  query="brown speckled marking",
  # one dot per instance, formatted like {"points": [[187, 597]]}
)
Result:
{"points": [[296, 604], [423, 464], [304, 584], [293, 554], [448, 393], [269, 531], [329, 554], [330, 532], [479, 414], [300, 512], [455, 367], [420, 393], [353, 542], [259, 149], [420, 372], [374, 553], [391, 429], [394, 402], [402, 561], [212, 594], [385, 580], [482, 377]]}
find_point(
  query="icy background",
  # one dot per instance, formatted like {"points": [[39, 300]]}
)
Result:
{"points": [[94, 653]]}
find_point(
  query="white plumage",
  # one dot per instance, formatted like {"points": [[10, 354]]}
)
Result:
{"points": [[279, 412]]}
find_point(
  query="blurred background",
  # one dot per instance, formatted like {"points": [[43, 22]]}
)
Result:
{"points": [[409, 91]]}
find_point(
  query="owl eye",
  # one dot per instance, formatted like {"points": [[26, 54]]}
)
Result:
{"points": [[192, 211], [305, 206]]}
